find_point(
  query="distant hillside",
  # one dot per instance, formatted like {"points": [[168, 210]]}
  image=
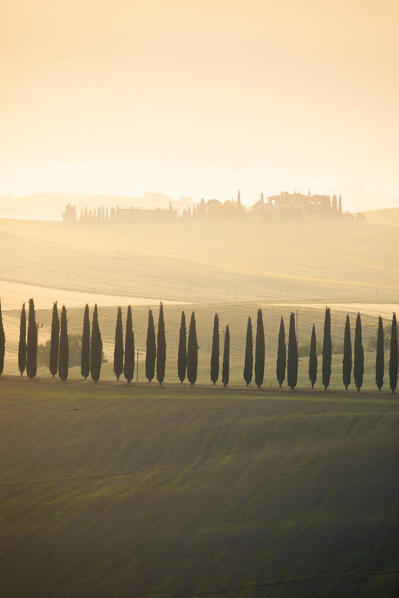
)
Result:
{"points": [[388, 216]]}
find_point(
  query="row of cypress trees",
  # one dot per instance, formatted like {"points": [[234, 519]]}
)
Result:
{"points": [[155, 357], [187, 362], [91, 355], [287, 360], [91, 350]]}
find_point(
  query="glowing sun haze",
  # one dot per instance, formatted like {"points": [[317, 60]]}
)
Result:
{"points": [[201, 98]]}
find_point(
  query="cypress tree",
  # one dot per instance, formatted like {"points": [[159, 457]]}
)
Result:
{"points": [[281, 354], [192, 352], [96, 347], [128, 366], [161, 346], [327, 350], [64, 348], [393, 356], [259, 350], [358, 362], [31, 345], [347, 359], [22, 342], [85, 354], [226, 358], [379, 359], [182, 355], [118, 347], [215, 350], [249, 354], [54, 341], [292, 363], [313, 358], [150, 348], [2, 342]]}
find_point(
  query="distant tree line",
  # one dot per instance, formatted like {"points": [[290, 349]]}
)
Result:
{"points": [[63, 351]]}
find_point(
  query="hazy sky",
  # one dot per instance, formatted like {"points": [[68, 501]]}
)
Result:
{"points": [[200, 97]]}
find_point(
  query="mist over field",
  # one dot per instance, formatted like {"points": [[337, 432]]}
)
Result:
{"points": [[199, 289]]}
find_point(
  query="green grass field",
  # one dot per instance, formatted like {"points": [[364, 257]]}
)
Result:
{"points": [[115, 491]]}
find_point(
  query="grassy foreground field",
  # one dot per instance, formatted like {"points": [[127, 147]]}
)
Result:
{"points": [[144, 491]]}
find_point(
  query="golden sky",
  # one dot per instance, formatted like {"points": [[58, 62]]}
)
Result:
{"points": [[200, 97]]}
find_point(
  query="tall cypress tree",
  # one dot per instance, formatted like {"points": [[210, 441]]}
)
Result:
{"points": [[31, 345], [259, 350], [22, 342], [96, 347], [215, 350], [292, 362], [118, 347], [54, 341], [379, 359], [182, 355], [192, 352], [161, 346], [281, 354], [393, 356], [128, 366], [85, 353], [327, 350], [226, 358], [2, 342], [64, 348], [150, 348], [358, 362], [313, 358], [249, 354], [347, 359]]}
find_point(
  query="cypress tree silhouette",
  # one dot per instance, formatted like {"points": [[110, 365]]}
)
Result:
{"points": [[2, 342], [54, 341], [22, 342], [215, 350], [31, 345], [85, 353], [182, 354], [347, 359], [313, 358], [259, 350], [161, 346], [96, 347], [393, 356], [64, 347], [327, 350], [128, 367], [249, 354], [292, 363], [150, 348], [379, 359], [358, 362], [281, 354], [226, 357], [192, 352], [118, 347]]}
